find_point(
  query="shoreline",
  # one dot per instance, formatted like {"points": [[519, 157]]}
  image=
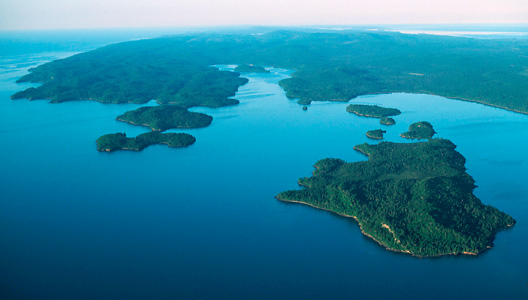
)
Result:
{"points": [[447, 97], [374, 239]]}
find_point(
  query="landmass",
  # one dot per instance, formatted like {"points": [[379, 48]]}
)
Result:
{"points": [[376, 134], [420, 130], [414, 198], [387, 121], [250, 69], [329, 66], [372, 111], [163, 117], [119, 141]]}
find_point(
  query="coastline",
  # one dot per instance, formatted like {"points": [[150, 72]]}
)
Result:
{"points": [[373, 238], [373, 137], [447, 97]]}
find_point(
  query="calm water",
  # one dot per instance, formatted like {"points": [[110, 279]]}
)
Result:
{"points": [[202, 223]]}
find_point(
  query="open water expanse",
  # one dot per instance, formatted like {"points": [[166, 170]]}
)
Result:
{"points": [[202, 222]]}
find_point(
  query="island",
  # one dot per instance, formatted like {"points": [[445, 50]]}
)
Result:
{"points": [[420, 130], [376, 134], [119, 141], [414, 198], [163, 117], [372, 111], [250, 69], [387, 121]]}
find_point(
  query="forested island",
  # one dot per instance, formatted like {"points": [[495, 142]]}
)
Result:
{"points": [[372, 111], [420, 130], [163, 117], [119, 141], [376, 134], [387, 121], [329, 66], [250, 69], [414, 198]]}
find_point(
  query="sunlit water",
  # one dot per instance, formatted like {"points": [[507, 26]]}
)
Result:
{"points": [[201, 222]]}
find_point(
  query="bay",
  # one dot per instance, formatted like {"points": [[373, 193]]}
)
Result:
{"points": [[201, 222]]}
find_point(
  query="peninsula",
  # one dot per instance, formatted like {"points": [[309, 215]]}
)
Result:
{"points": [[414, 198], [372, 111], [329, 66], [119, 141], [163, 117], [420, 130]]}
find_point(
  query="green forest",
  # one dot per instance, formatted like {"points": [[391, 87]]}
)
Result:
{"points": [[163, 117], [376, 134], [329, 66], [387, 121], [419, 130], [250, 69], [119, 141], [410, 197], [373, 111]]}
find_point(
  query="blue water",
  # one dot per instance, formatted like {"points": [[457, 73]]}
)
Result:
{"points": [[201, 222]]}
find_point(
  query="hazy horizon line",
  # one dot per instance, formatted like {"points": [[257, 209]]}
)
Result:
{"points": [[314, 26]]}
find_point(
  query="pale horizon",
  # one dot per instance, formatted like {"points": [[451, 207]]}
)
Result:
{"points": [[99, 14]]}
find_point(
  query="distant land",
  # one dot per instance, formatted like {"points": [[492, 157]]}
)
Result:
{"points": [[414, 198], [119, 141], [250, 69], [329, 66]]}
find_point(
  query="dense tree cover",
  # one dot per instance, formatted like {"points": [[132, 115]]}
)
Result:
{"points": [[387, 121], [250, 69], [163, 117], [376, 134], [329, 66], [419, 130], [125, 73], [415, 198], [119, 141], [373, 111]]}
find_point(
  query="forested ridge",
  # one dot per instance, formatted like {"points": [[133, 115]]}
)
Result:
{"points": [[328, 66]]}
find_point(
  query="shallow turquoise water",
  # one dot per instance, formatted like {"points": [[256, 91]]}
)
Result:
{"points": [[201, 222]]}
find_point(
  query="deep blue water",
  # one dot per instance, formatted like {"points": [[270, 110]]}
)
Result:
{"points": [[201, 222]]}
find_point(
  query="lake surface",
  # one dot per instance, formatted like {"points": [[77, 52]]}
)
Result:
{"points": [[201, 222]]}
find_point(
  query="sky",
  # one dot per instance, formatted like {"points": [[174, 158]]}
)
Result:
{"points": [[73, 14]]}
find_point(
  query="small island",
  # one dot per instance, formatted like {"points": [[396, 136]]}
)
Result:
{"points": [[420, 130], [119, 141], [414, 198], [372, 111], [250, 69], [163, 117], [387, 121], [376, 134]]}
